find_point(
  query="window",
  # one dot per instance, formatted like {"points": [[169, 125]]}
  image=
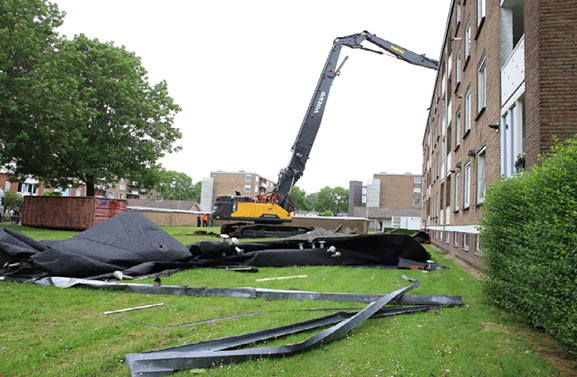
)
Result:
{"points": [[478, 250], [458, 129], [121, 195], [481, 9], [468, 39], [247, 188], [248, 177], [416, 202], [512, 132], [7, 186], [456, 239], [110, 195], [465, 241], [458, 11], [416, 191], [468, 110], [482, 85], [457, 190], [481, 175], [447, 237], [417, 180], [467, 185], [121, 187], [78, 192], [458, 67]]}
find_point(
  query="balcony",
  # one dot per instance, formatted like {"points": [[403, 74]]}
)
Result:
{"points": [[513, 72]]}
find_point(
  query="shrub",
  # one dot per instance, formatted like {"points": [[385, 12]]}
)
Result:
{"points": [[529, 241]]}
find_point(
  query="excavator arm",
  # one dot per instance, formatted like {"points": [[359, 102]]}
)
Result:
{"points": [[302, 146]]}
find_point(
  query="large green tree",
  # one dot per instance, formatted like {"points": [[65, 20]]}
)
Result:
{"points": [[27, 40], [174, 185], [89, 113], [335, 200]]}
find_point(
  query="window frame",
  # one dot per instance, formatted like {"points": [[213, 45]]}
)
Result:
{"points": [[468, 115], [458, 128], [467, 185], [481, 12], [482, 84], [458, 69], [456, 204], [467, 40], [481, 175]]}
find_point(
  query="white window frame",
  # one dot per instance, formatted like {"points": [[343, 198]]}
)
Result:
{"points": [[416, 202], [455, 239], [417, 179], [468, 110], [481, 175], [468, 39], [110, 194], [458, 11], [457, 203], [247, 188], [458, 128], [416, 191], [458, 67], [467, 185], [481, 11], [248, 177], [482, 84], [466, 241]]}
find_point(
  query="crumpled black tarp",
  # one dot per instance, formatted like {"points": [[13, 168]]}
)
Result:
{"points": [[127, 242], [134, 245]]}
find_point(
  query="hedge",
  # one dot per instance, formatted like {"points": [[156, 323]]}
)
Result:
{"points": [[529, 243]]}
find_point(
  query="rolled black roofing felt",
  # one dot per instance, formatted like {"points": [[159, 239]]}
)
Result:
{"points": [[135, 246]]}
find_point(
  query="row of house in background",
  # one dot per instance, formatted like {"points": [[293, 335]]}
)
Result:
{"points": [[507, 84], [117, 190]]}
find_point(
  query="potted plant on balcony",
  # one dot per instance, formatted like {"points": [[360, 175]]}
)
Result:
{"points": [[520, 162]]}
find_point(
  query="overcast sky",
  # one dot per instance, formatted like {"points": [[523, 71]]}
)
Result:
{"points": [[244, 73]]}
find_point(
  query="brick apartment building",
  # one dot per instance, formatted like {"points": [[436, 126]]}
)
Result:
{"points": [[223, 183], [30, 186], [507, 84], [388, 201]]}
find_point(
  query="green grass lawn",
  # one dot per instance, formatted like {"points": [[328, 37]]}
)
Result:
{"points": [[51, 331]]}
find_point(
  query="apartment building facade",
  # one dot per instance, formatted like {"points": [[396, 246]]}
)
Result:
{"points": [[221, 183], [507, 85], [31, 186], [387, 201]]}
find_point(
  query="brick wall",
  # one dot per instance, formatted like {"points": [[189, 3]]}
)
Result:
{"points": [[551, 73]]}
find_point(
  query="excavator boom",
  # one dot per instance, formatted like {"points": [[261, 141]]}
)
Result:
{"points": [[275, 206]]}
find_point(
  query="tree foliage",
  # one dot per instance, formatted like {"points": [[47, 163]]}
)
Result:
{"points": [[529, 243], [178, 186], [27, 40], [85, 109], [13, 200], [298, 197], [335, 200]]}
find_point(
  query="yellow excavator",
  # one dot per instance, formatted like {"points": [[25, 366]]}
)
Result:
{"points": [[267, 212]]}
